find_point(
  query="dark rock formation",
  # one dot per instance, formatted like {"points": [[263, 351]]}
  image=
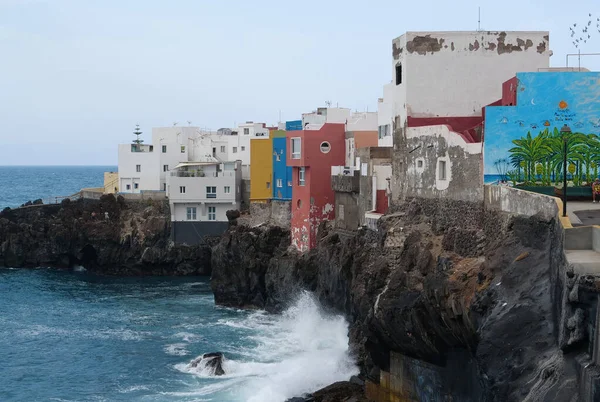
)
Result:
{"points": [[471, 292], [108, 236], [214, 361], [343, 391]]}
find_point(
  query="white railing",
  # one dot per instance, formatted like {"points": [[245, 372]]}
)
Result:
{"points": [[201, 174], [342, 171]]}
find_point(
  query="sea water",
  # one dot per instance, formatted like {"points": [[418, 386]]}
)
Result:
{"points": [[73, 336], [19, 184]]}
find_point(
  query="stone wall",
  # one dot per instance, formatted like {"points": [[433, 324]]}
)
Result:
{"points": [[520, 202], [274, 212], [434, 162]]}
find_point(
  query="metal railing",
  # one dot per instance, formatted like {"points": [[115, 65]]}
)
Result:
{"points": [[201, 174]]}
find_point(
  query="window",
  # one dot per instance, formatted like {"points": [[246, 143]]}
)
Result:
{"points": [[136, 185], [442, 169], [243, 148], [289, 183], [129, 187], [279, 183], [138, 168], [419, 163], [164, 149], [151, 148], [165, 168], [164, 186], [268, 184], [212, 213], [227, 190], [181, 189], [325, 147], [183, 149], [296, 148], [211, 192], [301, 173], [191, 213], [398, 74], [278, 157], [234, 150], [222, 148], [246, 131]]}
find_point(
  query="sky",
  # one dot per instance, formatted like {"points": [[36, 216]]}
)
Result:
{"points": [[76, 76]]}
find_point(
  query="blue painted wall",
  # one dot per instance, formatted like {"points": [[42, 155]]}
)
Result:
{"points": [[293, 125], [281, 171], [545, 102]]}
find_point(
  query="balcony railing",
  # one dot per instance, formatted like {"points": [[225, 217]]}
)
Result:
{"points": [[211, 195], [141, 148], [181, 173]]}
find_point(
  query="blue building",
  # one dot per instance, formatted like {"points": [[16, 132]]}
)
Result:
{"points": [[282, 174]]}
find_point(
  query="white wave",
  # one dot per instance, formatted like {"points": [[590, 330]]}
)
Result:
{"points": [[188, 337], [176, 349], [134, 388], [298, 352], [79, 268]]}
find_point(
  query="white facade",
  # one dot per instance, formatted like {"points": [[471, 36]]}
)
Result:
{"points": [[147, 166], [456, 74], [362, 121], [316, 119], [204, 191]]}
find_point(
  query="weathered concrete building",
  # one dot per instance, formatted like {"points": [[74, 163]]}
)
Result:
{"points": [[311, 153], [441, 81], [361, 193]]}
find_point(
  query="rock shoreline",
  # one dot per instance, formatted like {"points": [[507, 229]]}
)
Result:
{"points": [[442, 290], [107, 236], [472, 301]]}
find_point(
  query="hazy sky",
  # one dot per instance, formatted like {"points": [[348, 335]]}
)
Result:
{"points": [[77, 75]]}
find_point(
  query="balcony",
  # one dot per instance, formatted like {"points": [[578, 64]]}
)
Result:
{"points": [[198, 173], [345, 179]]}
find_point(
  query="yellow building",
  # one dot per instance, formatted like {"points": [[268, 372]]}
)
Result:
{"points": [[261, 169], [111, 182]]}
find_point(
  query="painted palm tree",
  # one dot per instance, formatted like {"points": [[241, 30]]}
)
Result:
{"points": [[589, 155], [531, 150]]}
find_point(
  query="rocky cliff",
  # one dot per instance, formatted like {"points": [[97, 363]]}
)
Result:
{"points": [[471, 294], [110, 236]]}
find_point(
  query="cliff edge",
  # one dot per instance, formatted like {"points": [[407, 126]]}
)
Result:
{"points": [[460, 299], [108, 236]]}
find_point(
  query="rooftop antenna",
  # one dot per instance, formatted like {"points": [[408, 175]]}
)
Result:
{"points": [[479, 19], [328, 103]]}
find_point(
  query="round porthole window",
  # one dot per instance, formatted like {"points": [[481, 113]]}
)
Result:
{"points": [[325, 147]]}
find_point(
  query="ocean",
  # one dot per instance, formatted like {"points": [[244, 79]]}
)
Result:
{"points": [[19, 184], [74, 336]]}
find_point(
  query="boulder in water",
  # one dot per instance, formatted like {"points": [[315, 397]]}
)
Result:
{"points": [[212, 360]]}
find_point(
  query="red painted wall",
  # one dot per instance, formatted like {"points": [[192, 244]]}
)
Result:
{"points": [[458, 124], [314, 202], [382, 202], [509, 92]]}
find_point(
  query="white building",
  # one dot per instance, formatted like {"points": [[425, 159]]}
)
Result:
{"points": [[454, 74], [200, 194], [316, 119], [145, 167]]}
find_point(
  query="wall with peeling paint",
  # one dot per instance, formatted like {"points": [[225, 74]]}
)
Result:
{"points": [[465, 68], [455, 74], [314, 202], [417, 169]]}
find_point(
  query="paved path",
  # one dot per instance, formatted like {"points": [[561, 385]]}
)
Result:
{"points": [[583, 213]]}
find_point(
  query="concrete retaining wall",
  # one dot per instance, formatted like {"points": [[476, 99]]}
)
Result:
{"points": [[158, 195], [193, 233], [520, 202], [274, 212]]}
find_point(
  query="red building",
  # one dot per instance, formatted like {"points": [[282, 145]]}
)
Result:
{"points": [[311, 154]]}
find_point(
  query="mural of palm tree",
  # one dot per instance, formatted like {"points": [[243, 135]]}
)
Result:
{"points": [[531, 150], [541, 156]]}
